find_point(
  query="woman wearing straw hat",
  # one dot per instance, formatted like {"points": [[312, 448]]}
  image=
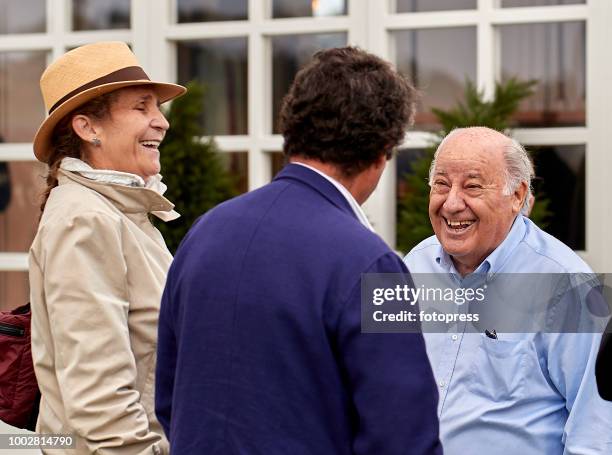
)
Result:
{"points": [[97, 264]]}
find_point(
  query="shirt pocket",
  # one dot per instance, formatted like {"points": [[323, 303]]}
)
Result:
{"points": [[498, 369]]}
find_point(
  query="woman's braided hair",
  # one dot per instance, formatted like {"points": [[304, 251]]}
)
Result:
{"points": [[66, 143]]}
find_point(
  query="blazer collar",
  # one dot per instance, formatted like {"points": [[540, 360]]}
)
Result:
{"points": [[318, 183]]}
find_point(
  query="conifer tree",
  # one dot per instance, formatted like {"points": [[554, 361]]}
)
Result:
{"points": [[192, 169], [413, 223]]}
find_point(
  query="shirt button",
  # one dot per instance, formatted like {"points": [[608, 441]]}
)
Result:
{"points": [[454, 337], [442, 384]]}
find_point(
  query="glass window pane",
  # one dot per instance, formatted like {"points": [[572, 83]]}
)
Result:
{"points": [[97, 15], [289, 54], [221, 65], [23, 16], [14, 290], [560, 177], [212, 10], [21, 187], [560, 180], [277, 162], [412, 192], [438, 61], [308, 8], [404, 165], [237, 165], [21, 105], [515, 3], [414, 6], [553, 54]]}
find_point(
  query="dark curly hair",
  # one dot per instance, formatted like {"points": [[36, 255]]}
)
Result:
{"points": [[346, 107]]}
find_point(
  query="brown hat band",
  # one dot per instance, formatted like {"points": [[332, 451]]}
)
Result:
{"points": [[130, 73]]}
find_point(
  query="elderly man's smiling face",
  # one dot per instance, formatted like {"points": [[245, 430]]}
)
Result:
{"points": [[469, 209]]}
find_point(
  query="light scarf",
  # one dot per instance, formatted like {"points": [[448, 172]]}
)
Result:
{"points": [[119, 178]]}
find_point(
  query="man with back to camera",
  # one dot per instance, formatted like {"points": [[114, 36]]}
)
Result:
{"points": [[505, 393], [260, 343]]}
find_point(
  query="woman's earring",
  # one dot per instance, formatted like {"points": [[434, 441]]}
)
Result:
{"points": [[95, 141]]}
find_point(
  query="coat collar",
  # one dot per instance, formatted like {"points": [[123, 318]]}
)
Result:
{"points": [[126, 198], [318, 183]]}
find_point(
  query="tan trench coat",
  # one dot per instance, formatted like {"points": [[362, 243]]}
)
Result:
{"points": [[97, 272]]}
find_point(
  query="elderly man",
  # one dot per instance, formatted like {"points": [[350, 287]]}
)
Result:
{"points": [[260, 343], [504, 393]]}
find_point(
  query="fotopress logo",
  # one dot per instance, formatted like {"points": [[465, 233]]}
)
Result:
{"points": [[519, 303]]}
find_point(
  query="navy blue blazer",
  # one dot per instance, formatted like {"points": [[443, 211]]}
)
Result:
{"points": [[260, 345]]}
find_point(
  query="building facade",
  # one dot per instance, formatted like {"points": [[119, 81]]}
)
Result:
{"points": [[246, 52]]}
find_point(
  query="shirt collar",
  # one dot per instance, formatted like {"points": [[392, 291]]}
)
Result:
{"points": [[359, 213], [119, 187], [110, 176], [496, 260]]}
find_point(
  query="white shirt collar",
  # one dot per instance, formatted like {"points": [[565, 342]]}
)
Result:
{"points": [[111, 176], [120, 178], [359, 213]]}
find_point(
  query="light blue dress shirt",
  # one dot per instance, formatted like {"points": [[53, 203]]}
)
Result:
{"points": [[523, 393]]}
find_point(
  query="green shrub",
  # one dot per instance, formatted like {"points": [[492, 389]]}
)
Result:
{"points": [[192, 169]]}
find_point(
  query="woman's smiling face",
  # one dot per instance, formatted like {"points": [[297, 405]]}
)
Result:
{"points": [[131, 134]]}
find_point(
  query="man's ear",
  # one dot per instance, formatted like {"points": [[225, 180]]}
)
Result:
{"points": [[519, 196], [84, 127]]}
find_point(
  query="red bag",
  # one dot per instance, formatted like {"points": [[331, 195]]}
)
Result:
{"points": [[19, 395]]}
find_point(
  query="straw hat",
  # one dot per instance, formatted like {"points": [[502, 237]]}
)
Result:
{"points": [[85, 73]]}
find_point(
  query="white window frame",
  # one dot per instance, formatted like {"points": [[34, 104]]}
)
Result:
{"points": [[154, 32], [57, 38], [596, 14]]}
